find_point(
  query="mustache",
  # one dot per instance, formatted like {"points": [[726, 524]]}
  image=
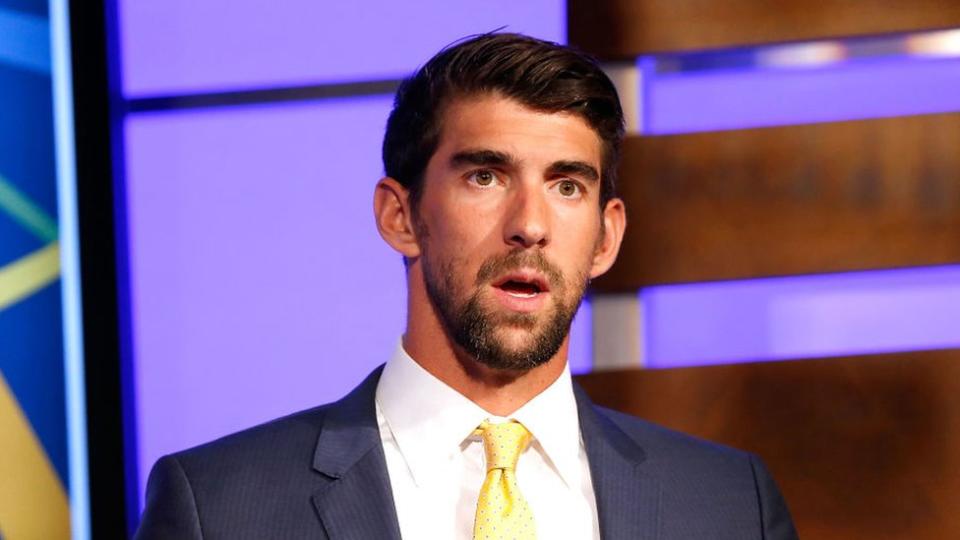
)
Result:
{"points": [[498, 265]]}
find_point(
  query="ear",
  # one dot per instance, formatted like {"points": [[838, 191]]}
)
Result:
{"points": [[614, 218], [391, 209]]}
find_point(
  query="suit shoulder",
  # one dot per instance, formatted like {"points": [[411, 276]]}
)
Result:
{"points": [[661, 443], [272, 441], [729, 492], [280, 448]]}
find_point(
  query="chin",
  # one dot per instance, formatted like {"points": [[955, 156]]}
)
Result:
{"points": [[515, 350], [517, 340]]}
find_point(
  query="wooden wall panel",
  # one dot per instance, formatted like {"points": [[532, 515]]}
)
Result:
{"points": [[621, 29], [864, 447], [789, 200]]}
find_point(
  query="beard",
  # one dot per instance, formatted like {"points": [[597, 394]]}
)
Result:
{"points": [[475, 327]]}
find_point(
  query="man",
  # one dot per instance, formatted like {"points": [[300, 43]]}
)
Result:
{"points": [[500, 156]]}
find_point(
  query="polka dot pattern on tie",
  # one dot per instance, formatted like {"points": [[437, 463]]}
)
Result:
{"points": [[502, 512]]}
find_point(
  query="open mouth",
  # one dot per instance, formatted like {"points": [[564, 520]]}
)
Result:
{"points": [[522, 285], [520, 289]]}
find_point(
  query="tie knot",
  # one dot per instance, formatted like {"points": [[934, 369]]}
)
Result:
{"points": [[503, 443]]}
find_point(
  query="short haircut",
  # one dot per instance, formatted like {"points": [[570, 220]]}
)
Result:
{"points": [[541, 75]]}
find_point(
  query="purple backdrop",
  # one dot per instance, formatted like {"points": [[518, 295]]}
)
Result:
{"points": [[744, 97], [178, 46], [802, 316], [259, 282]]}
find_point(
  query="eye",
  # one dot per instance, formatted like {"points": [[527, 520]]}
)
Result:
{"points": [[569, 189], [483, 177]]}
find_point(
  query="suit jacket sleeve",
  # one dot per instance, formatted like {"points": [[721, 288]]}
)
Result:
{"points": [[171, 509], [774, 515]]}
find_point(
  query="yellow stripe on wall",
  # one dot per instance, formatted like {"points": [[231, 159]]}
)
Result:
{"points": [[29, 274], [33, 501]]}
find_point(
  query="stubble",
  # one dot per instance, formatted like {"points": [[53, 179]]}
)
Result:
{"points": [[476, 328]]}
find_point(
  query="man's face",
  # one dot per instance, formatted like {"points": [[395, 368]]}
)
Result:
{"points": [[508, 225]]}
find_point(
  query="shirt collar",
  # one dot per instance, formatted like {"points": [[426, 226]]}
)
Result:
{"points": [[552, 417], [428, 419], [431, 422]]}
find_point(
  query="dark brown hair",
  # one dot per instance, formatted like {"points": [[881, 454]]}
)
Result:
{"points": [[539, 74]]}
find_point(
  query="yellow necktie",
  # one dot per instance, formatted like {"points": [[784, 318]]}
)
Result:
{"points": [[502, 512]]}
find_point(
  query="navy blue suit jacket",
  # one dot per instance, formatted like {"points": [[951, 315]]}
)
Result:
{"points": [[321, 474]]}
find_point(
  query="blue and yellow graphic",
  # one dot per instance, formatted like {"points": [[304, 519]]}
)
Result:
{"points": [[33, 427]]}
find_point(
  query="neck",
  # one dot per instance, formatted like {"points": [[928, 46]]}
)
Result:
{"points": [[499, 392]]}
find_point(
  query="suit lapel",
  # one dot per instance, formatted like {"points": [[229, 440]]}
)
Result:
{"points": [[627, 499], [357, 501]]}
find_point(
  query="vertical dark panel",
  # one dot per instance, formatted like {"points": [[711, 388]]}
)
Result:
{"points": [[103, 268]]}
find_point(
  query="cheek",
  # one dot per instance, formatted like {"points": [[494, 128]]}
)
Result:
{"points": [[464, 229], [579, 227], [584, 244], [452, 242]]}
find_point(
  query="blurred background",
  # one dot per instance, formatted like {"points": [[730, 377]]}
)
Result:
{"points": [[187, 245]]}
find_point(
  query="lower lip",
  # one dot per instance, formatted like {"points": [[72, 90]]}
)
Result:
{"points": [[523, 304]]}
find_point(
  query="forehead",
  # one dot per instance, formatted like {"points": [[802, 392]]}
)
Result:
{"points": [[493, 122]]}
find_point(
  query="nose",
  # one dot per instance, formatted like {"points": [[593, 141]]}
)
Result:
{"points": [[528, 218]]}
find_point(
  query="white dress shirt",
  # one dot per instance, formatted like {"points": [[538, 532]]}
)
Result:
{"points": [[436, 464]]}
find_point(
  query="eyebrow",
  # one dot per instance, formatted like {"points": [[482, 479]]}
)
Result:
{"points": [[481, 158], [494, 158], [575, 168]]}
